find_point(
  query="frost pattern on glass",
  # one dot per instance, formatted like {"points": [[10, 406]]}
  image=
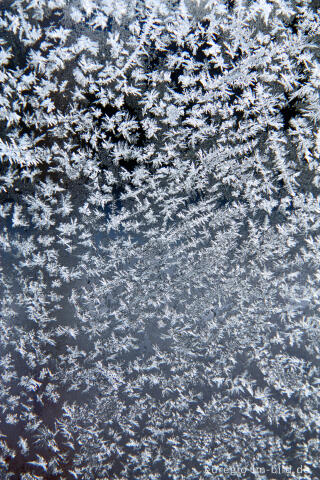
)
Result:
{"points": [[160, 247]]}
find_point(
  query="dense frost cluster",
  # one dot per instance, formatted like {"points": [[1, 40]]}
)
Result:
{"points": [[160, 239]]}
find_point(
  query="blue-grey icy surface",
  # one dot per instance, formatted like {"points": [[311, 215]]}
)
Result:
{"points": [[159, 236]]}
